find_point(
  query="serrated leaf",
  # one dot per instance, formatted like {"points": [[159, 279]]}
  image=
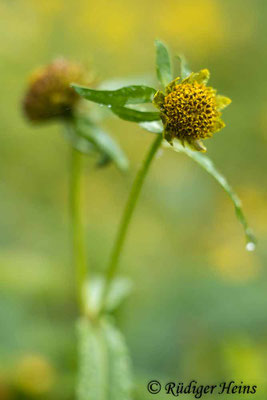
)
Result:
{"points": [[208, 165], [135, 94], [163, 63], [104, 364], [102, 141], [129, 114], [119, 289]]}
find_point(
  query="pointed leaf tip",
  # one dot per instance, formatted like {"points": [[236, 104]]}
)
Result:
{"points": [[163, 63], [184, 69]]}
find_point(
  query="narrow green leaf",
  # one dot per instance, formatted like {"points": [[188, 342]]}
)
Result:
{"points": [[208, 165], [102, 141], [136, 94], [163, 63], [129, 114], [104, 365]]}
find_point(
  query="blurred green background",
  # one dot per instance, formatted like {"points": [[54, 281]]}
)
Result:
{"points": [[198, 309]]}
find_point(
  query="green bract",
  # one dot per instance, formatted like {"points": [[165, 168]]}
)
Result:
{"points": [[191, 86], [184, 69], [163, 63]]}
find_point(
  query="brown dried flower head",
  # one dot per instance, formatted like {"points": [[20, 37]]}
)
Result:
{"points": [[49, 95]]}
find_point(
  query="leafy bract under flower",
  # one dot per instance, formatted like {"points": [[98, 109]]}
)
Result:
{"points": [[190, 110]]}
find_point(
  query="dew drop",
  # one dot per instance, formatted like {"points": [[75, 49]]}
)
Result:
{"points": [[250, 246]]}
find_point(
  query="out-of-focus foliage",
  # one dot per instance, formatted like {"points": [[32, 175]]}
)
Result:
{"points": [[83, 128], [198, 308], [104, 363]]}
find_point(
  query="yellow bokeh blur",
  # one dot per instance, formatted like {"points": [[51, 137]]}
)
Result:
{"points": [[33, 375]]}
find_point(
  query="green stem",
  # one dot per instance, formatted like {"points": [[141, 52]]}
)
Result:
{"points": [[127, 215], [79, 253]]}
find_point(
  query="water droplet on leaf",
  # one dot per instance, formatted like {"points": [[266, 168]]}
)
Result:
{"points": [[250, 246]]}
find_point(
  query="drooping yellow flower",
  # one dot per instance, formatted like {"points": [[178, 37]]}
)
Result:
{"points": [[49, 95], [190, 110]]}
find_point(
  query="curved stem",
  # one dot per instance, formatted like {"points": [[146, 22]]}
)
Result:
{"points": [[127, 214], [79, 253]]}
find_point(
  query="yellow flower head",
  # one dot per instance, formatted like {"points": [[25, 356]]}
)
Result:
{"points": [[190, 110], [49, 95]]}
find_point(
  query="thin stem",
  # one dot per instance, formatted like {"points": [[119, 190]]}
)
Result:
{"points": [[79, 253], [128, 213]]}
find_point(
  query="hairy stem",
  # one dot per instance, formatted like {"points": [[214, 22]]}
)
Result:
{"points": [[79, 253], [128, 213]]}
